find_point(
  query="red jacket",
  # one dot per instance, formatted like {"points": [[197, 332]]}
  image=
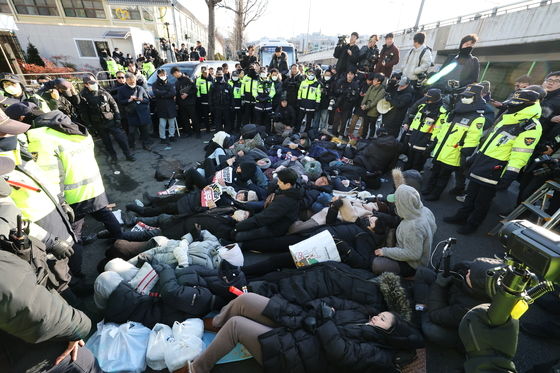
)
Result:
{"points": [[389, 55]]}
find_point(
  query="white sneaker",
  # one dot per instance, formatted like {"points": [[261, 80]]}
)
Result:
{"points": [[461, 198]]}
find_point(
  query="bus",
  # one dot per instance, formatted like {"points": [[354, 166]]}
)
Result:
{"points": [[266, 49]]}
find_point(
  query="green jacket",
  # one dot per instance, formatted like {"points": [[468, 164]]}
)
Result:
{"points": [[373, 95]]}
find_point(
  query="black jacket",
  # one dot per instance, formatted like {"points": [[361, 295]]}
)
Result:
{"points": [[291, 86], [466, 72], [550, 108], [347, 94], [164, 93], [279, 215], [368, 58], [279, 63], [379, 155], [400, 100], [326, 92], [285, 115], [247, 61], [345, 61], [343, 343], [185, 85], [220, 95], [98, 108]]}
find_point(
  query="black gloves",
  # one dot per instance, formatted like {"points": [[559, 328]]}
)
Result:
{"points": [[327, 312], [61, 249], [324, 313], [443, 281], [68, 210], [505, 181]]}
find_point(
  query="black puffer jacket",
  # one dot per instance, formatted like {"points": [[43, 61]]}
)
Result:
{"points": [[379, 155], [344, 343], [279, 215], [400, 100], [164, 93], [185, 85]]}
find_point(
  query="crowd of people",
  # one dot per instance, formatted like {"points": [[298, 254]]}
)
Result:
{"points": [[294, 152]]}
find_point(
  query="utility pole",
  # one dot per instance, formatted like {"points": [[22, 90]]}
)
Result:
{"points": [[419, 15], [306, 45]]}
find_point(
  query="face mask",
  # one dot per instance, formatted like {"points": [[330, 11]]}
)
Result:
{"points": [[275, 78], [263, 75], [466, 51], [220, 78], [55, 95], [235, 78], [14, 90], [132, 85], [93, 87], [310, 77], [164, 78], [467, 100], [327, 78]]}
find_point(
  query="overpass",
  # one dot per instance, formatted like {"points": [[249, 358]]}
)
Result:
{"points": [[516, 39]]}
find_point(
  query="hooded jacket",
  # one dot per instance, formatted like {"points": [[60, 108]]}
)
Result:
{"points": [[379, 155], [164, 93], [416, 230]]}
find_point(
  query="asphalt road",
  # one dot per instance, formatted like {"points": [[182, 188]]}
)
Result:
{"points": [[126, 181]]}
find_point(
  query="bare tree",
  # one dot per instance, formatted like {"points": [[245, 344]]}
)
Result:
{"points": [[246, 12], [211, 27]]}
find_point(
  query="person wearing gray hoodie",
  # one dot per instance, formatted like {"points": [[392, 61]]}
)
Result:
{"points": [[415, 234]]}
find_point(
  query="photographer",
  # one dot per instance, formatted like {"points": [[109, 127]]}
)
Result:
{"points": [[248, 59], [369, 55], [347, 95], [347, 54], [291, 85], [400, 95], [418, 62], [468, 67], [388, 57]]}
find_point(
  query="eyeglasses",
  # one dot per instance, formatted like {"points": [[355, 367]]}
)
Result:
{"points": [[120, 77], [552, 81]]}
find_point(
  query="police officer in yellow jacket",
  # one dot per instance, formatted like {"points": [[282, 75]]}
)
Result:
{"points": [[455, 140], [250, 80], [65, 150], [430, 115], [263, 92], [500, 158], [236, 84], [308, 98], [203, 85]]}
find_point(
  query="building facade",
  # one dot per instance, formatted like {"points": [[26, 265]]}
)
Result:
{"points": [[78, 30]]}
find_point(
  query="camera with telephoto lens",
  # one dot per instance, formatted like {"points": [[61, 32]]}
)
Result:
{"points": [[342, 40], [532, 265], [545, 165]]}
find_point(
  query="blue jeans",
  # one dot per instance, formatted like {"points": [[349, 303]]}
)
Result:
{"points": [[321, 119], [163, 124]]}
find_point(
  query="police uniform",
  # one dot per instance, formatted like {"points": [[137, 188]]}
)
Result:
{"points": [[454, 141], [203, 86], [248, 101], [26, 96], [500, 158], [236, 92], [220, 102], [427, 120], [263, 92], [99, 110], [308, 98]]}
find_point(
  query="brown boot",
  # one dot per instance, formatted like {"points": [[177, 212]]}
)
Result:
{"points": [[209, 326], [129, 249]]}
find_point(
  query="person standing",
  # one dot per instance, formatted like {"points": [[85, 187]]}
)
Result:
{"points": [[291, 85], [219, 100], [347, 94], [347, 55], [13, 89], [369, 55], [249, 59], [118, 56], [99, 110], [185, 96], [467, 66], [263, 93], [203, 85], [388, 57], [201, 51], [279, 61], [309, 97], [400, 95], [236, 85], [250, 81], [418, 62], [455, 140], [374, 94], [164, 93], [321, 119], [136, 103], [500, 158], [193, 55]]}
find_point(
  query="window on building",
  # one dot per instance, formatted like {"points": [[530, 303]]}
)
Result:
{"points": [[148, 14], [36, 7], [126, 13], [4, 7], [83, 8], [86, 48]]}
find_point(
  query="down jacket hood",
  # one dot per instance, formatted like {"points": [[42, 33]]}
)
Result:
{"points": [[60, 122], [408, 202]]}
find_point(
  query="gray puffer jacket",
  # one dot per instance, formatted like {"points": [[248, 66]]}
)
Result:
{"points": [[203, 253], [415, 232]]}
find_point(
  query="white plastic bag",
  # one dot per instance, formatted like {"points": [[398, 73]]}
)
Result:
{"points": [[145, 279], [122, 348], [232, 253], [179, 351], [125, 269], [187, 328], [157, 345]]}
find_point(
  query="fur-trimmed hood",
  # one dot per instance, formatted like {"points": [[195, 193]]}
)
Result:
{"points": [[394, 294]]}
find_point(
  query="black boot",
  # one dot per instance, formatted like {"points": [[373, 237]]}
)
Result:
{"points": [[135, 208], [455, 219]]}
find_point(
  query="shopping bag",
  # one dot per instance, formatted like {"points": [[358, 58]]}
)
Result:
{"points": [[145, 279], [232, 253], [316, 249], [122, 348], [156, 346], [179, 351], [182, 330]]}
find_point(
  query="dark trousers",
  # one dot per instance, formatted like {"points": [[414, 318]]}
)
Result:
{"points": [[120, 137], [144, 131], [439, 177], [235, 119], [221, 118], [161, 208], [203, 110], [254, 234], [188, 119], [339, 122], [262, 118], [368, 131], [308, 116], [247, 110], [416, 159], [477, 202]]}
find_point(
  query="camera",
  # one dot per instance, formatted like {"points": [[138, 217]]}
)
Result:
{"points": [[453, 84], [342, 40]]}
